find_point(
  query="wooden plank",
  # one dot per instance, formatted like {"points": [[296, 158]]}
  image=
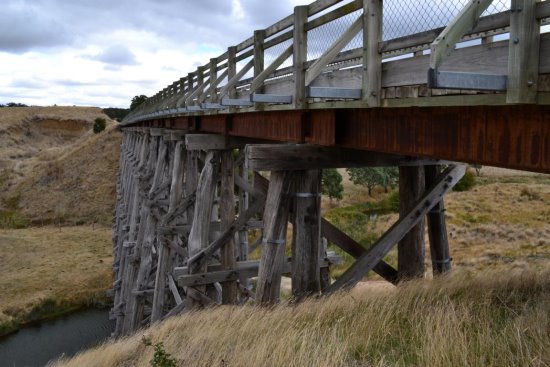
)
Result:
{"points": [[317, 67], [275, 222], [437, 229], [227, 216], [367, 261], [355, 249], [523, 60], [306, 234], [242, 235], [372, 58], [410, 250], [334, 14], [465, 20], [300, 56], [269, 157]]}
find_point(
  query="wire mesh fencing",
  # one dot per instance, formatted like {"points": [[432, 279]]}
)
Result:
{"points": [[404, 17]]}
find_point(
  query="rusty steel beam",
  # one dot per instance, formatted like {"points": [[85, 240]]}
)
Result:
{"points": [[510, 136]]}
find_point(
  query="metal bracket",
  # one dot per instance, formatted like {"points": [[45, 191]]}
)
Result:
{"points": [[459, 80], [329, 92]]}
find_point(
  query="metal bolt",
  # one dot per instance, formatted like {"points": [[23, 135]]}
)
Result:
{"points": [[530, 83], [373, 94], [516, 41]]}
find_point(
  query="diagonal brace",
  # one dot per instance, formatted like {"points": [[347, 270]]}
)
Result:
{"points": [[369, 259]]}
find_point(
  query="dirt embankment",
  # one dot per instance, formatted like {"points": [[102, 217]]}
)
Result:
{"points": [[53, 168]]}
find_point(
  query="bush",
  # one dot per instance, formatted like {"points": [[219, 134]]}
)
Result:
{"points": [[99, 125], [466, 183]]}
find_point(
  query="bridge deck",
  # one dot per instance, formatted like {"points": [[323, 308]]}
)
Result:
{"points": [[329, 75]]}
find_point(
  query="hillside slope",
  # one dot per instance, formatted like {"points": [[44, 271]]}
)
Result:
{"points": [[53, 168]]}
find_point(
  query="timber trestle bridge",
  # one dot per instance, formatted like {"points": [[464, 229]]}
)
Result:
{"points": [[239, 145]]}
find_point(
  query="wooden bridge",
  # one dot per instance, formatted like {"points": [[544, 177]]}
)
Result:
{"points": [[358, 83]]}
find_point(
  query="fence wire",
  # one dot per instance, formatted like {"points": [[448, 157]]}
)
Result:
{"points": [[405, 17], [319, 39]]}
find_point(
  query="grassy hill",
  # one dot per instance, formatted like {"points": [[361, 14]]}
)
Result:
{"points": [[53, 168], [57, 193]]}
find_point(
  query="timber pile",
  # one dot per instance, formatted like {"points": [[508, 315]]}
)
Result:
{"points": [[186, 202]]}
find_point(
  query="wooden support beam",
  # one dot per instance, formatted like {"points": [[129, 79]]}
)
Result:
{"points": [[299, 57], [165, 258], [198, 237], [269, 157], [437, 230], [216, 142], [259, 79], [355, 249], [411, 253], [523, 53], [227, 216], [368, 260], [246, 269], [306, 233], [372, 58], [259, 36], [273, 246]]}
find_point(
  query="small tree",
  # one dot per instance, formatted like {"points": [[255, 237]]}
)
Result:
{"points": [[331, 184], [137, 100], [372, 177], [99, 125]]}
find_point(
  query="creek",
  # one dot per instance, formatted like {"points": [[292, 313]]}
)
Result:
{"points": [[67, 335]]}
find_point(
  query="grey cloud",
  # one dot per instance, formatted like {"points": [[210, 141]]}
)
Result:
{"points": [[24, 27], [116, 55]]}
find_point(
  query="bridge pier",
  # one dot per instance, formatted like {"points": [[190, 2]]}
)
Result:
{"points": [[187, 201]]}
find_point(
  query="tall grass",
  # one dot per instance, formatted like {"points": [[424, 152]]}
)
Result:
{"points": [[487, 320]]}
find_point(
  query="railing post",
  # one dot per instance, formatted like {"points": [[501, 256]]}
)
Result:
{"points": [[213, 76], [300, 56], [372, 58], [523, 53], [232, 71], [259, 36]]}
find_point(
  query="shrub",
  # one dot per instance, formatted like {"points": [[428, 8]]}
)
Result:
{"points": [[99, 125], [466, 183], [160, 358], [331, 184]]}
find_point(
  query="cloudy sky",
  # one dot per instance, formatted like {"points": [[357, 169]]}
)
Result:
{"points": [[104, 52]]}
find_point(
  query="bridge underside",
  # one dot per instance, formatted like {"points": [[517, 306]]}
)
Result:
{"points": [[509, 136]]}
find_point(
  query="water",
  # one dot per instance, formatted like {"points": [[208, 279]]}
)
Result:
{"points": [[36, 345]]}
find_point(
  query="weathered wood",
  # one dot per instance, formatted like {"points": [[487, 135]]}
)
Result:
{"points": [[368, 260], [264, 157], [355, 249], [372, 58], [246, 269], [233, 81], [216, 142], [257, 84], [273, 247], [198, 236], [437, 230], [146, 237], [306, 233], [328, 56], [227, 216], [299, 57], [174, 290], [258, 58], [165, 258], [444, 44], [411, 253], [523, 59]]}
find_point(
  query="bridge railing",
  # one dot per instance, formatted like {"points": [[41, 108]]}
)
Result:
{"points": [[334, 50]]}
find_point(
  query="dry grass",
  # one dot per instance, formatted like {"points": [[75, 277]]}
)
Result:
{"points": [[490, 320], [56, 168], [69, 266]]}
